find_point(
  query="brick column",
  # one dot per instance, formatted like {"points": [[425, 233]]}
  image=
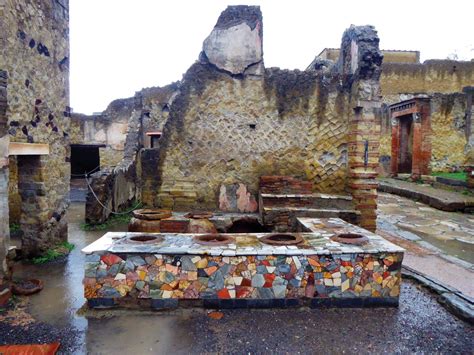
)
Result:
{"points": [[360, 64], [395, 147], [364, 133], [425, 111]]}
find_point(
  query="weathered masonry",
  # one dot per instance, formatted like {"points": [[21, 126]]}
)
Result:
{"points": [[34, 114], [231, 121], [448, 86], [411, 137]]}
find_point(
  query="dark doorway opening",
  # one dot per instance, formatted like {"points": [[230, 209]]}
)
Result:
{"points": [[85, 159], [406, 144], [247, 225]]}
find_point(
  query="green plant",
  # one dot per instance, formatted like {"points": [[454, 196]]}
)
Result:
{"points": [[58, 251], [14, 228], [112, 221], [460, 175]]}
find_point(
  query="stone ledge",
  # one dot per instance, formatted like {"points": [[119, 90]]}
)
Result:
{"points": [[439, 199], [326, 302], [16, 148]]}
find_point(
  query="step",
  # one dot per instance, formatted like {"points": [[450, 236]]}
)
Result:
{"points": [[314, 200], [283, 219]]}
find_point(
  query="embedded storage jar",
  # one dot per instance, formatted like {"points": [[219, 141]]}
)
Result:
{"points": [[199, 223], [147, 220]]}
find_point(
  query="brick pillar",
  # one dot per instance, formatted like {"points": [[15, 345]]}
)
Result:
{"points": [[425, 111], [360, 65], [395, 147], [4, 143], [364, 133], [41, 228]]}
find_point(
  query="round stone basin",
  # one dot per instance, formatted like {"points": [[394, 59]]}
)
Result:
{"points": [[350, 238], [150, 214], [282, 239], [213, 239], [199, 215], [144, 239]]}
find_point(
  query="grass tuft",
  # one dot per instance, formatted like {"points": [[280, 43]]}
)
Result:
{"points": [[59, 251], [461, 175], [112, 221]]}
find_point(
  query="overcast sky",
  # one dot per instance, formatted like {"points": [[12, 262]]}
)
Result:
{"points": [[121, 46]]}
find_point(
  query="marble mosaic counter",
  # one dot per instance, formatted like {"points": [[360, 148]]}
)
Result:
{"points": [[245, 273]]}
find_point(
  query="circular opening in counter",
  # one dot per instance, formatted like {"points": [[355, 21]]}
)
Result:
{"points": [[150, 214], [282, 239], [350, 238], [199, 215], [213, 239], [148, 239]]}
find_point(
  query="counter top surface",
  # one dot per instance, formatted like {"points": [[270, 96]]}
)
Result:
{"points": [[316, 235]]}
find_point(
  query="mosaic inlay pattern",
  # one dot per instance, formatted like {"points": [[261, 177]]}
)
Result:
{"points": [[190, 277]]}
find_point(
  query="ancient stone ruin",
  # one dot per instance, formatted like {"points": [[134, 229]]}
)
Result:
{"points": [[231, 121], [265, 150], [257, 150], [34, 123]]}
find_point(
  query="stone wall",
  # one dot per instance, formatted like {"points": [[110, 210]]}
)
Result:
{"points": [[443, 81], [108, 128], [433, 76], [449, 137], [403, 78], [117, 185], [115, 188], [389, 56], [4, 141], [236, 130], [155, 105], [234, 121], [35, 54]]}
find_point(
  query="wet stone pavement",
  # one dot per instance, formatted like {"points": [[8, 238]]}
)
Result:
{"points": [[420, 324], [451, 232]]}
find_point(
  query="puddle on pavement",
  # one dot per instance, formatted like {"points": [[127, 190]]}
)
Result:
{"points": [[133, 332], [63, 284], [453, 247]]}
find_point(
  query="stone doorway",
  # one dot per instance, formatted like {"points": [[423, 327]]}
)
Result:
{"points": [[84, 159], [406, 144], [411, 137]]}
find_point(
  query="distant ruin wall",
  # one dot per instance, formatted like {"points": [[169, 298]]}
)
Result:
{"points": [[443, 81], [108, 128], [35, 54], [449, 141], [433, 76], [389, 56]]}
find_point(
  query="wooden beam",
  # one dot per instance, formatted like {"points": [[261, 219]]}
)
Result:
{"points": [[16, 148]]}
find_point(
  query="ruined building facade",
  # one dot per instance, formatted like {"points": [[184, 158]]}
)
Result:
{"points": [[445, 138], [231, 121], [34, 120]]}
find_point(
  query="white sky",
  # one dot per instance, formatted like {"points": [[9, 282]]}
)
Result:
{"points": [[119, 47]]}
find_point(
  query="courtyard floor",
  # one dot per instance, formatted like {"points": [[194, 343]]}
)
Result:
{"points": [[420, 324]]}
